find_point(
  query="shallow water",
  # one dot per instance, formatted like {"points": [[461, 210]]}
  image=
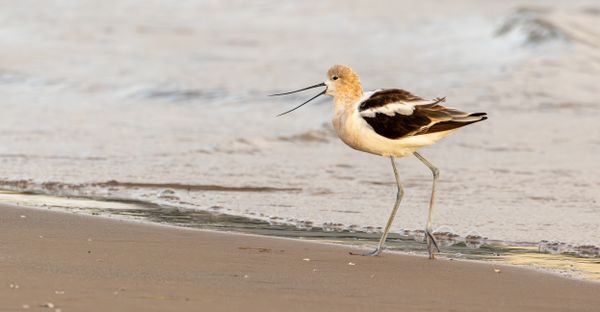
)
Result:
{"points": [[567, 261], [168, 106]]}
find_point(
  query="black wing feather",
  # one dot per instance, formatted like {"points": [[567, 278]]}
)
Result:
{"points": [[426, 118]]}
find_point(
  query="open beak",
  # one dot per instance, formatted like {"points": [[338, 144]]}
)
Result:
{"points": [[300, 90]]}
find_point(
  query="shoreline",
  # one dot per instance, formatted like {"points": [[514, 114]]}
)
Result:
{"points": [[79, 262], [497, 253]]}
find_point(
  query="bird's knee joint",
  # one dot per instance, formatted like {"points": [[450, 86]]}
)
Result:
{"points": [[436, 172]]}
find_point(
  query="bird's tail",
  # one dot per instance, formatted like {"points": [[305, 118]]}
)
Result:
{"points": [[471, 118], [458, 120]]}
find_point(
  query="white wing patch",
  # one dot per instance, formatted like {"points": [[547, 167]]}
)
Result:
{"points": [[391, 109]]}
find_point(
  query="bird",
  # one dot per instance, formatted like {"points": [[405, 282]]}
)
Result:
{"points": [[391, 123]]}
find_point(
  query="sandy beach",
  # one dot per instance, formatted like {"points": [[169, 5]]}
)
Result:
{"points": [[82, 263]]}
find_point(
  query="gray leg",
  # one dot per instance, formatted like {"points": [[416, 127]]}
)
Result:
{"points": [[431, 243], [386, 231]]}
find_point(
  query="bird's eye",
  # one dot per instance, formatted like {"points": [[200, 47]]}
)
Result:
{"points": [[334, 77]]}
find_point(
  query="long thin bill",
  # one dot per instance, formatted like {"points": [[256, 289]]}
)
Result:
{"points": [[295, 108], [322, 84]]}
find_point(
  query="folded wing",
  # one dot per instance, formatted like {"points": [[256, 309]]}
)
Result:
{"points": [[396, 113]]}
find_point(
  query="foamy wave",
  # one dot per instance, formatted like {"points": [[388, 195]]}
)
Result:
{"points": [[538, 25], [172, 194], [533, 26]]}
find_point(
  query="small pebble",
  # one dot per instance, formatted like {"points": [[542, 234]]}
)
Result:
{"points": [[497, 270], [118, 291], [59, 292], [23, 216], [41, 236], [314, 270], [351, 263], [246, 276], [58, 310], [306, 259], [89, 239], [48, 305], [25, 306]]}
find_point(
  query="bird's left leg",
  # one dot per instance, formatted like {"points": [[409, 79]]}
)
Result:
{"points": [[388, 225], [431, 243]]}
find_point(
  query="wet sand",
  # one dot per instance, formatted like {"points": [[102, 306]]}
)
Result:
{"points": [[83, 263]]}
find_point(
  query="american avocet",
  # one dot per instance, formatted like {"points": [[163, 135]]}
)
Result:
{"points": [[390, 123]]}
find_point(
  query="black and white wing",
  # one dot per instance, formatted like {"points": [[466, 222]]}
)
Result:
{"points": [[395, 113]]}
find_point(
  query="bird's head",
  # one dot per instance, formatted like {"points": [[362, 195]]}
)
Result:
{"points": [[342, 83]]}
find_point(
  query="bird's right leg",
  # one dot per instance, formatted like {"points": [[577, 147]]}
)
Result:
{"points": [[386, 231]]}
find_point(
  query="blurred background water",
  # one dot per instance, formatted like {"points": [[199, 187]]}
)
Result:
{"points": [[165, 102]]}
